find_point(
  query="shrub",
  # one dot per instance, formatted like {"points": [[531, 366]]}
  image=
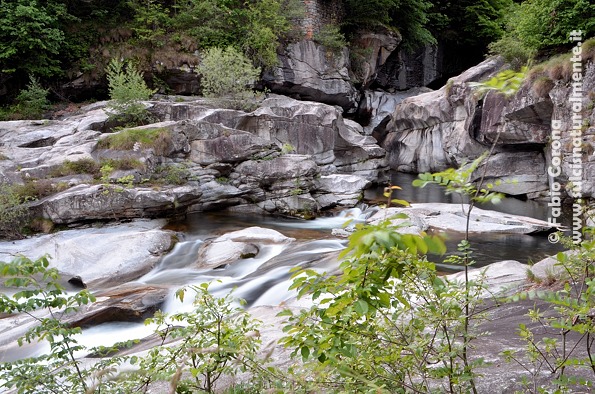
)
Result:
{"points": [[287, 148], [227, 73], [158, 139], [331, 38], [513, 51], [32, 36], [175, 174], [13, 214], [127, 90], [215, 339], [125, 163], [559, 342], [38, 188], [32, 101], [539, 25], [82, 166]]}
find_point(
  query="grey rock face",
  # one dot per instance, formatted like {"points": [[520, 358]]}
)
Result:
{"points": [[311, 72], [378, 106], [269, 157], [110, 254], [451, 217], [446, 128], [374, 49], [238, 245], [339, 189], [93, 202], [450, 126]]}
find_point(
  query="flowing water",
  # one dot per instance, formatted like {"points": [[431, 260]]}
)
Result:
{"points": [[265, 278]]}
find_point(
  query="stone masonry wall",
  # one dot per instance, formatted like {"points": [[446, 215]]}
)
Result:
{"points": [[320, 13]]}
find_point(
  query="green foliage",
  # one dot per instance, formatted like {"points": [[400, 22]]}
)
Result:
{"points": [[459, 181], [13, 214], [158, 139], [40, 291], [32, 101], [227, 73], [93, 167], [507, 82], [565, 351], [536, 25], [287, 148], [81, 166], [151, 21], [106, 171], [387, 323], [127, 90], [216, 338], [34, 189], [513, 50], [409, 17], [172, 174], [31, 36], [255, 26], [331, 38], [470, 23]]}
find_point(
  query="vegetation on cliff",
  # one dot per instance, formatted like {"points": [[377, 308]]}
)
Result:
{"points": [[535, 28], [62, 39]]}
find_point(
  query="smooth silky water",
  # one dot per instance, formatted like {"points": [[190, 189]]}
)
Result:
{"points": [[265, 278]]}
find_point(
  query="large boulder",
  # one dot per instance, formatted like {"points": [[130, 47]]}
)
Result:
{"points": [[376, 106], [500, 279], [372, 52], [238, 245], [131, 302], [309, 71], [105, 202], [31, 147], [432, 131], [306, 128], [453, 217], [106, 255], [234, 148], [339, 190]]}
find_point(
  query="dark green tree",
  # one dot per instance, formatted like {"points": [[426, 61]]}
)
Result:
{"points": [[409, 17], [31, 36], [473, 23]]}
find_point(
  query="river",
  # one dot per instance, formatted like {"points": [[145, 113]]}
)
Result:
{"points": [[265, 278]]}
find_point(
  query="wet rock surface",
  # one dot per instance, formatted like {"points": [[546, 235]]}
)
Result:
{"points": [[100, 256], [452, 217]]}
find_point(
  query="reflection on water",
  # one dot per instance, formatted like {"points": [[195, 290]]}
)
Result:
{"points": [[435, 193], [265, 278], [487, 248]]}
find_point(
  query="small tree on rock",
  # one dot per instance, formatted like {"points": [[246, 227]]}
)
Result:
{"points": [[227, 73], [127, 90]]}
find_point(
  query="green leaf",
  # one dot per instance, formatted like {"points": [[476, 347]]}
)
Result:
{"points": [[180, 294], [361, 307], [305, 352], [400, 202]]}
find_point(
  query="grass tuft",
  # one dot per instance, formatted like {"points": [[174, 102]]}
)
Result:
{"points": [[158, 139], [542, 87]]}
